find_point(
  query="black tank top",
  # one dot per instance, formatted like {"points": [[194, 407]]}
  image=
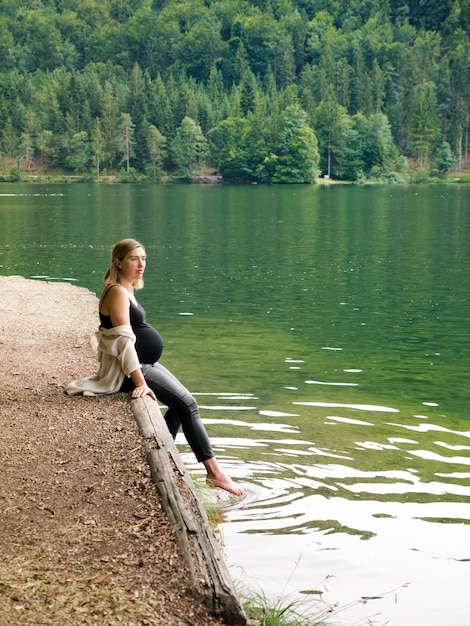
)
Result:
{"points": [[148, 342]]}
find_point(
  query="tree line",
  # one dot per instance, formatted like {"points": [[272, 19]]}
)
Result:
{"points": [[267, 90]]}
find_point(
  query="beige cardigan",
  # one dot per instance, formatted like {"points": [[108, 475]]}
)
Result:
{"points": [[117, 357]]}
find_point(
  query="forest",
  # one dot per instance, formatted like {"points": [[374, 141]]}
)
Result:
{"points": [[269, 91]]}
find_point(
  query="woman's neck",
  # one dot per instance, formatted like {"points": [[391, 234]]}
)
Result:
{"points": [[127, 285]]}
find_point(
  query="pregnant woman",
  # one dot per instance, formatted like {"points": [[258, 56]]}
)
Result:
{"points": [[130, 350]]}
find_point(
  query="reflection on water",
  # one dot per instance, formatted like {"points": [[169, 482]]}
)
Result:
{"points": [[369, 456], [351, 493]]}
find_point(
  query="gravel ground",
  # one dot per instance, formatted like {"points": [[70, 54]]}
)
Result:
{"points": [[83, 538]]}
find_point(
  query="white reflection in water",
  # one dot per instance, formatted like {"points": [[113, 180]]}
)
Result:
{"points": [[279, 428], [322, 452], [458, 475], [424, 428], [359, 407], [374, 445], [450, 446], [434, 488], [277, 414], [227, 395], [348, 420], [226, 408], [290, 452], [251, 398], [427, 454], [347, 471], [319, 382], [401, 440], [334, 515], [222, 443]]}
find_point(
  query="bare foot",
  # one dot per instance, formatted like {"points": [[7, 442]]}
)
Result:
{"points": [[218, 478], [224, 482]]}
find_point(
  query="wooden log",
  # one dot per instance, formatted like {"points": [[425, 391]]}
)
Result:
{"points": [[209, 576]]}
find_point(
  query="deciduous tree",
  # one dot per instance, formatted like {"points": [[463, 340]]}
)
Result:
{"points": [[228, 149], [189, 147], [297, 149]]}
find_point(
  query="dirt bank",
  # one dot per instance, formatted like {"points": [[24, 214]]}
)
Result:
{"points": [[83, 539]]}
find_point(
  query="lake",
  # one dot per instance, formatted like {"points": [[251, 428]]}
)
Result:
{"points": [[325, 332]]}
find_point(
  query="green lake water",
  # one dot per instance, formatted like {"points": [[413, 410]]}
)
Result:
{"points": [[325, 332]]}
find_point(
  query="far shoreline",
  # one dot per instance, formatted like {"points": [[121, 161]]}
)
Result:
{"points": [[61, 179], [38, 175]]}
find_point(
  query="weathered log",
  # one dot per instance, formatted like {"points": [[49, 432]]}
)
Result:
{"points": [[209, 576]]}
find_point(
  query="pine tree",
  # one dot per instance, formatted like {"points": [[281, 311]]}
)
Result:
{"points": [[425, 124], [156, 143], [126, 139]]}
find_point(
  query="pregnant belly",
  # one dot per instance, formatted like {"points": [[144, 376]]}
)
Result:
{"points": [[149, 344]]}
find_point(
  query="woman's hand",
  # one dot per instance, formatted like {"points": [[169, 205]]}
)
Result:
{"points": [[143, 390]]}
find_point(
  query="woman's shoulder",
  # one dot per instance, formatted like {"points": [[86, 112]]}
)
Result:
{"points": [[114, 295], [113, 289]]}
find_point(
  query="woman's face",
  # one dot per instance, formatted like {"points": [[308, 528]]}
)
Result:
{"points": [[133, 264]]}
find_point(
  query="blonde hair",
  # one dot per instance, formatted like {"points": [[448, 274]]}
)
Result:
{"points": [[119, 253]]}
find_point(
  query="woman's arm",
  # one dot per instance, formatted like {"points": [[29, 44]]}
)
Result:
{"points": [[118, 310], [141, 387], [116, 306]]}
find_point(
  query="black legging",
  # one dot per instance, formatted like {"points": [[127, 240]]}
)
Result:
{"points": [[182, 410]]}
